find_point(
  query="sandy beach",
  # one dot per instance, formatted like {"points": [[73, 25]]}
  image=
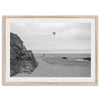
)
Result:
{"points": [[49, 66]]}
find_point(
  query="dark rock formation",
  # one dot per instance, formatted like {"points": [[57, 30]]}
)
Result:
{"points": [[21, 60], [64, 58], [88, 59]]}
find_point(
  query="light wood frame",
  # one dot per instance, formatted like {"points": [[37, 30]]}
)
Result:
{"points": [[50, 83]]}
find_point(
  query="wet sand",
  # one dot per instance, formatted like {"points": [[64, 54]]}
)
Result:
{"points": [[58, 67]]}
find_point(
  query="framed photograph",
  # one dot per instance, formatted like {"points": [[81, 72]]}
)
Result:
{"points": [[50, 50]]}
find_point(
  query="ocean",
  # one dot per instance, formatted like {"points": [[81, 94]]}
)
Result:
{"points": [[64, 55]]}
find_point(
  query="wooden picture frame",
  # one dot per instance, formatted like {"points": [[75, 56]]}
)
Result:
{"points": [[6, 21]]}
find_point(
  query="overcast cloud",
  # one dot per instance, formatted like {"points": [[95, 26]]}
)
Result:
{"points": [[69, 38]]}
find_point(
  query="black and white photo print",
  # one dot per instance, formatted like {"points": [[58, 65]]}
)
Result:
{"points": [[51, 49]]}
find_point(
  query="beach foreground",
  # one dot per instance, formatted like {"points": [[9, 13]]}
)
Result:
{"points": [[56, 66]]}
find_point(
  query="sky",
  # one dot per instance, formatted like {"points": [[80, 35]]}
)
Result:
{"points": [[69, 37]]}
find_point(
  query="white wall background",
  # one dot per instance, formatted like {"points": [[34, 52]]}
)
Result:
{"points": [[48, 7]]}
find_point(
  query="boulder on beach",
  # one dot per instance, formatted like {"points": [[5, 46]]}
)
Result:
{"points": [[64, 58], [21, 59]]}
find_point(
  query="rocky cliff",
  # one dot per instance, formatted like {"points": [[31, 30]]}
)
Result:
{"points": [[21, 59]]}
